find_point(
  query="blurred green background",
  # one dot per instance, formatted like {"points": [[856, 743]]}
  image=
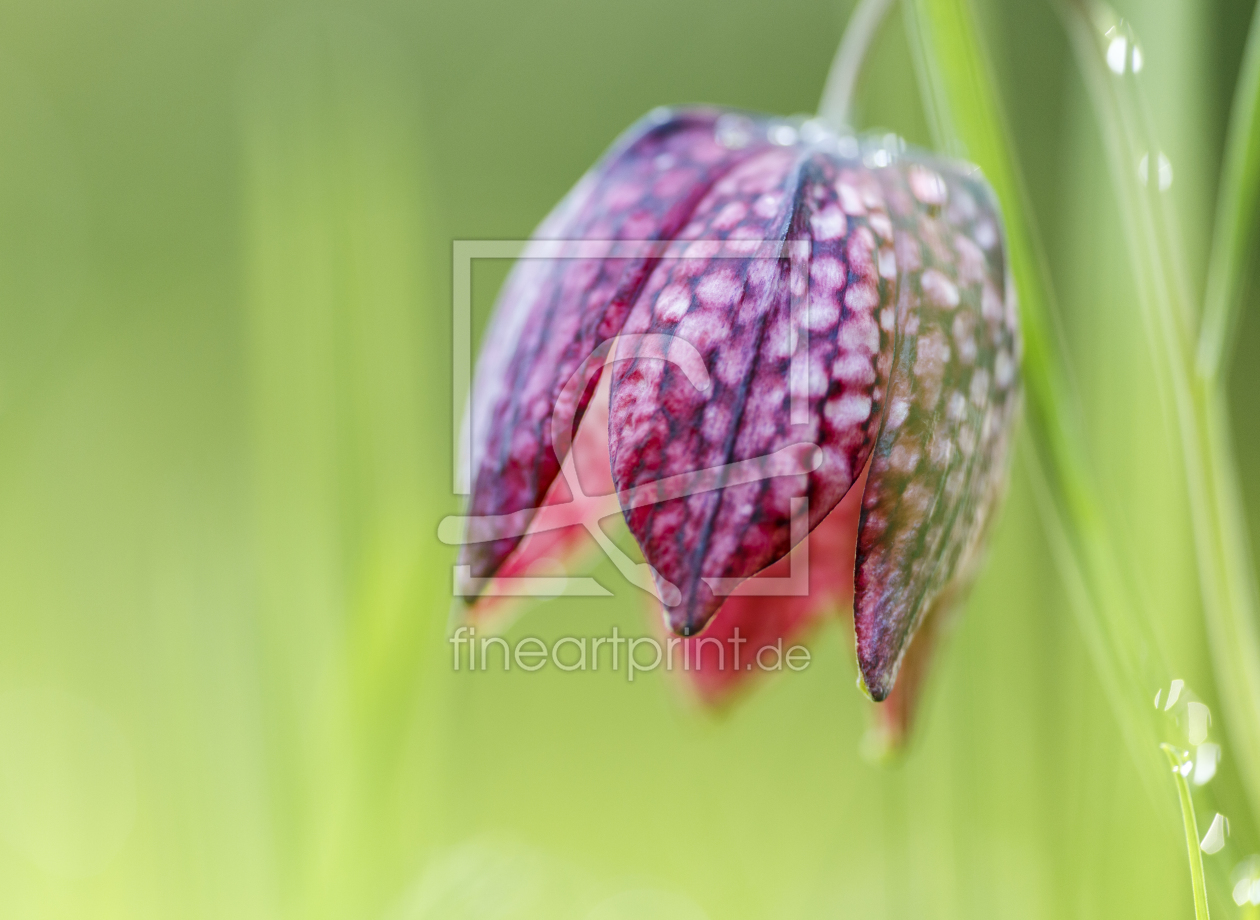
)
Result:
{"points": [[225, 440]]}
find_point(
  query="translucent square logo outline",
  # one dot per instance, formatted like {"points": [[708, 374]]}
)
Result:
{"points": [[793, 460]]}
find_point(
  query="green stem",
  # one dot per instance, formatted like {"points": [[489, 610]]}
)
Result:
{"points": [[1226, 579], [963, 107], [837, 97], [1192, 832], [1236, 209]]}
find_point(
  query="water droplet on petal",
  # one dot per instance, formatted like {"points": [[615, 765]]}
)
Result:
{"points": [[877, 159], [783, 135], [1137, 58], [734, 132], [1214, 839], [814, 131]]}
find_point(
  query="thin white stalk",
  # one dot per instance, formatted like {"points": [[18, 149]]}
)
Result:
{"points": [[837, 98]]}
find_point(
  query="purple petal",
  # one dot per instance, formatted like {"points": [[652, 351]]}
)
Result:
{"points": [[555, 311], [820, 224], [892, 271], [940, 462]]}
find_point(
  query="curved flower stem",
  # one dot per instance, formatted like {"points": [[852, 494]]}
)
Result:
{"points": [[837, 97], [1236, 208], [1176, 761]]}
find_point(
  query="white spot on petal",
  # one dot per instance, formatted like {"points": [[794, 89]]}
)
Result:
{"points": [[897, 413], [848, 411], [767, 205], [927, 186], [938, 290], [673, 303], [829, 223], [887, 263]]}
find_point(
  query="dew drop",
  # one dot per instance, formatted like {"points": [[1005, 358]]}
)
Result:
{"points": [[878, 158], [1200, 718], [1214, 839], [1122, 51], [1246, 879], [881, 151], [1174, 691], [783, 135], [734, 132], [1165, 173], [1242, 892], [1117, 51], [814, 131], [1206, 757]]}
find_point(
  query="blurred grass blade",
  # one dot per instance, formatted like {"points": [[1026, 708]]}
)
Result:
{"points": [[342, 506], [1237, 209], [1177, 763], [951, 67]]}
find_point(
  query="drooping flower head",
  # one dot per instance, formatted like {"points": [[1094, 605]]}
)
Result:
{"points": [[777, 311]]}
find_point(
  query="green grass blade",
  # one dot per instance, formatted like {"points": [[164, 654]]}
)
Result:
{"points": [[956, 84], [1236, 210], [1227, 580]]}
